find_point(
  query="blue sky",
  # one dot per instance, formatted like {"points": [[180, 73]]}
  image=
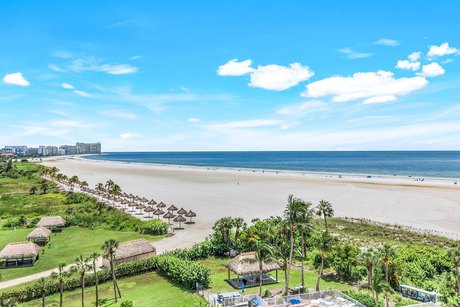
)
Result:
{"points": [[231, 75]]}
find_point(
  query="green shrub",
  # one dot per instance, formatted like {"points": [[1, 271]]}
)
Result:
{"points": [[198, 251], [127, 304], [364, 298], [154, 227]]}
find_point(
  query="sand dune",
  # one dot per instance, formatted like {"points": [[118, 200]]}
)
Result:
{"points": [[213, 193]]}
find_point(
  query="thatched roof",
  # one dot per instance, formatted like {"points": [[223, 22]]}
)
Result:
{"points": [[161, 205], [158, 212], [190, 214], [168, 215], [240, 266], [149, 209], [133, 248], [180, 218], [152, 202], [19, 250], [51, 221], [182, 211], [39, 233], [172, 208]]}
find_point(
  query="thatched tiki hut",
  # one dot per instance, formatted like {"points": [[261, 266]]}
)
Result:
{"points": [[39, 235], [190, 215], [53, 223], [247, 269], [130, 251], [19, 254]]}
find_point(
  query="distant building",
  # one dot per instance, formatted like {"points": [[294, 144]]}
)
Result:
{"points": [[89, 148], [51, 151], [41, 150], [78, 148], [16, 150], [33, 152], [69, 149]]}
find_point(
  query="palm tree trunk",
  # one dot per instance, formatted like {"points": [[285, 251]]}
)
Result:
{"points": [[61, 290], [83, 291], [260, 279], [387, 269], [376, 299], [43, 299], [303, 257], [369, 275], [114, 281], [290, 255], [457, 277], [97, 285], [286, 277], [325, 221], [320, 273]]}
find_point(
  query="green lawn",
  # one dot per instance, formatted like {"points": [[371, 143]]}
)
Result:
{"points": [[65, 246], [218, 283], [147, 290]]}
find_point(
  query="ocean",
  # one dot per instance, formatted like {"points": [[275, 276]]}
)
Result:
{"points": [[444, 164]]}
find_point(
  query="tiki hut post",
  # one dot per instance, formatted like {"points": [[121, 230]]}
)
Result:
{"points": [[169, 216], [179, 219]]}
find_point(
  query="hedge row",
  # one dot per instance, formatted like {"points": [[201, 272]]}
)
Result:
{"points": [[179, 271], [198, 251]]}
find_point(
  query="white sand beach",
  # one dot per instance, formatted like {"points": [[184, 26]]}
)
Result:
{"points": [[432, 204]]}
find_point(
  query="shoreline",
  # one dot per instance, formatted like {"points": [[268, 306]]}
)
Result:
{"points": [[399, 180], [431, 205]]}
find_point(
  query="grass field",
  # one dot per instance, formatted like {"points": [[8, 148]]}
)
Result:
{"points": [[65, 246], [145, 290]]}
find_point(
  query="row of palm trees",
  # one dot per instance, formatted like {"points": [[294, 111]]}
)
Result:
{"points": [[82, 267]]}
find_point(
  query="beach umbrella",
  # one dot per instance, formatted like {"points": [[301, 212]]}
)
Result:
{"points": [[190, 214], [182, 211], [124, 202], [132, 205], [149, 210], [152, 203], [158, 212], [140, 207], [169, 216], [179, 219], [172, 208], [144, 200], [161, 205]]}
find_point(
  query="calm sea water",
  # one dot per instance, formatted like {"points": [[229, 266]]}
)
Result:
{"points": [[401, 163]]}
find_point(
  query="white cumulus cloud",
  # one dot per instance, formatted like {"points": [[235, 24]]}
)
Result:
{"points": [[67, 86], [414, 56], [352, 55], [371, 87], [128, 135], [235, 68], [16, 79], [441, 50], [193, 120], [405, 64], [277, 78], [120, 69], [432, 70], [81, 93], [387, 42]]}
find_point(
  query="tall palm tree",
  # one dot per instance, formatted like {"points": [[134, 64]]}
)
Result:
{"points": [[305, 229], [109, 184], [387, 253], [33, 190], [81, 267], [263, 254], [93, 258], [109, 248], [379, 285], [454, 254], [45, 187], [224, 226], [323, 243], [60, 277], [294, 214], [115, 189], [73, 181], [325, 210], [83, 184], [368, 260], [42, 285]]}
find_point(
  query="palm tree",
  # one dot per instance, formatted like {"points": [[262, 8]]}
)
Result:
{"points": [[73, 180], [109, 184], [81, 267], [224, 226], [33, 190], [263, 254], [387, 253], [60, 276], [115, 189], [294, 214], [305, 230], [379, 285], [109, 248], [45, 187], [325, 209], [454, 254], [368, 259], [100, 187], [323, 243], [93, 258], [83, 184], [239, 224], [42, 285]]}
